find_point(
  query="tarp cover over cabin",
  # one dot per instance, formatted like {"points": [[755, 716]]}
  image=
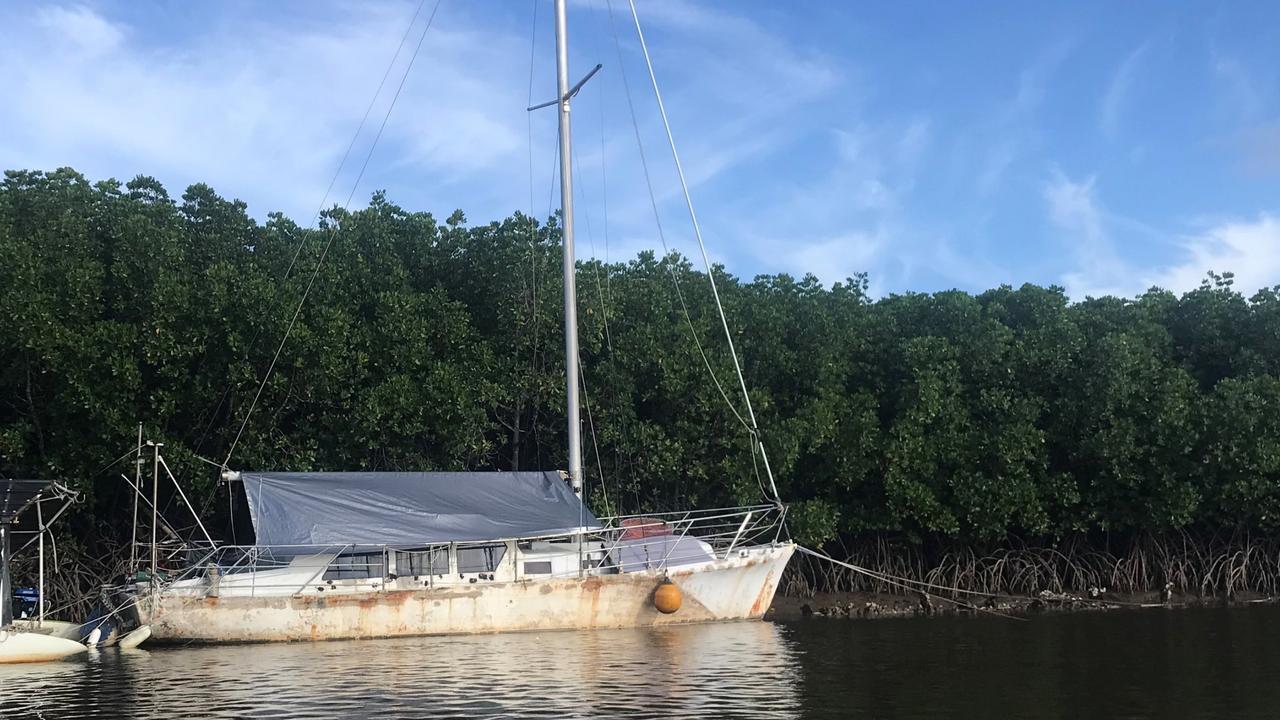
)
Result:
{"points": [[409, 508]]}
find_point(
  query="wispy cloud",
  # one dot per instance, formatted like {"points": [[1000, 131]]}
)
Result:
{"points": [[259, 110], [1075, 211], [738, 92], [831, 150], [854, 216], [1118, 89], [80, 29], [1241, 95], [1012, 127]]}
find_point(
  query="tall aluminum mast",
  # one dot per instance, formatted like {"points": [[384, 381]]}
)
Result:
{"points": [[570, 291]]}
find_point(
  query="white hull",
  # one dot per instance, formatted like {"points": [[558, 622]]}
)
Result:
{"points": [[25, 647], [54, 628], [739, 587]]}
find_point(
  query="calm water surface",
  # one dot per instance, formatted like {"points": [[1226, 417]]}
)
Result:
{"points": [[1142, 664]]}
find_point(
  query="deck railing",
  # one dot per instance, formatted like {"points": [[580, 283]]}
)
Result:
{"points": [[626, 543]]}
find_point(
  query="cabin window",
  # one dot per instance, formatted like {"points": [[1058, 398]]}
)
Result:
{"points": [[356, 566], [538, 568], [433, 561], [480, 558]]}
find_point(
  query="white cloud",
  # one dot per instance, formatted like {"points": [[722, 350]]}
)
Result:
{"points": [[263, 110], [853, 215], [1248, 248], [835, 259], [1072, 206], [738, 93], [79, 28], [1076, 212]]}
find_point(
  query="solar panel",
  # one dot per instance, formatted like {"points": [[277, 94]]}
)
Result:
{"points": [[17, 495]]}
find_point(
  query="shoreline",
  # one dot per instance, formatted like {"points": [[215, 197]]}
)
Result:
{"points": [[860, 605]]}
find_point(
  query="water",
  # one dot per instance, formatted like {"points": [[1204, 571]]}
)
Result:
{"points": [[1142, 664]]}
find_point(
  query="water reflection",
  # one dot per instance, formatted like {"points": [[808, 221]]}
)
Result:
{"points": [[1149, 664], [721, 670], [1152, 664]]}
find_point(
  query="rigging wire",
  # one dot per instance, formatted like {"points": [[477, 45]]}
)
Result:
{"points": [[604, 318], [533, 248], [604, 486], [606, 301], [653, 202], [697, 231], [675, 280], [595, 267], [346, 155], [551, 194], [607, 292], [320, 209], [604, 206], [334, 230]]}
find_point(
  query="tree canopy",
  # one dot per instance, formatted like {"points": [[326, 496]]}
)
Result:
{"points": [[437, 345]]}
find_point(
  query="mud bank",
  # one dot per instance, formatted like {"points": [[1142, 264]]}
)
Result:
{"points": [[864, 605]]}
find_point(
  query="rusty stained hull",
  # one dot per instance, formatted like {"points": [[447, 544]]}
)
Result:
{"points": [[736, 588]]}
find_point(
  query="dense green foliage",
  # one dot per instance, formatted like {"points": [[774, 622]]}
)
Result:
{"points": [[438, 345]]}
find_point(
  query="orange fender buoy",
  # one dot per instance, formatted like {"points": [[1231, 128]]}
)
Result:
{"points": [[666, 598]]}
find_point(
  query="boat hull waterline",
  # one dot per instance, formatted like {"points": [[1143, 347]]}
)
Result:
{"points": [[740, 587]]}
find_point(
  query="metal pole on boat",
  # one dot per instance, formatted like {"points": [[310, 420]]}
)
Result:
{"points": [[137, 490], [570, 291], [155, 504], [40, 569], [6, 614]]}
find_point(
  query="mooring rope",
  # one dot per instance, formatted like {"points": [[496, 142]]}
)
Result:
{"points": [[913, 585], [922, 586]]}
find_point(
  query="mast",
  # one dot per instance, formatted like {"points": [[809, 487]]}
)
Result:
{"points": [[570, 291]]}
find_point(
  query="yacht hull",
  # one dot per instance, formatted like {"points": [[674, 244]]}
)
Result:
{"points": [[740, 587]]}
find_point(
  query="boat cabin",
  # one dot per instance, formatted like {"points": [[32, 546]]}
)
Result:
{"points": [[359, 532]]}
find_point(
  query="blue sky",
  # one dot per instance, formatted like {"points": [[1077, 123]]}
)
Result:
{"points": [[1103, 147]]}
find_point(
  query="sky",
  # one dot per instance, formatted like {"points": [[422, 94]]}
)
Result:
{"points": [[1103, 147]]}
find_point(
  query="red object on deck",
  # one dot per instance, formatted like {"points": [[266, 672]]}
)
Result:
{"points": [[637, 528]]}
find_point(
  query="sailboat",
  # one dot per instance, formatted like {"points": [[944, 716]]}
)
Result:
{"points": [[385, 554], [32, 638]]}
